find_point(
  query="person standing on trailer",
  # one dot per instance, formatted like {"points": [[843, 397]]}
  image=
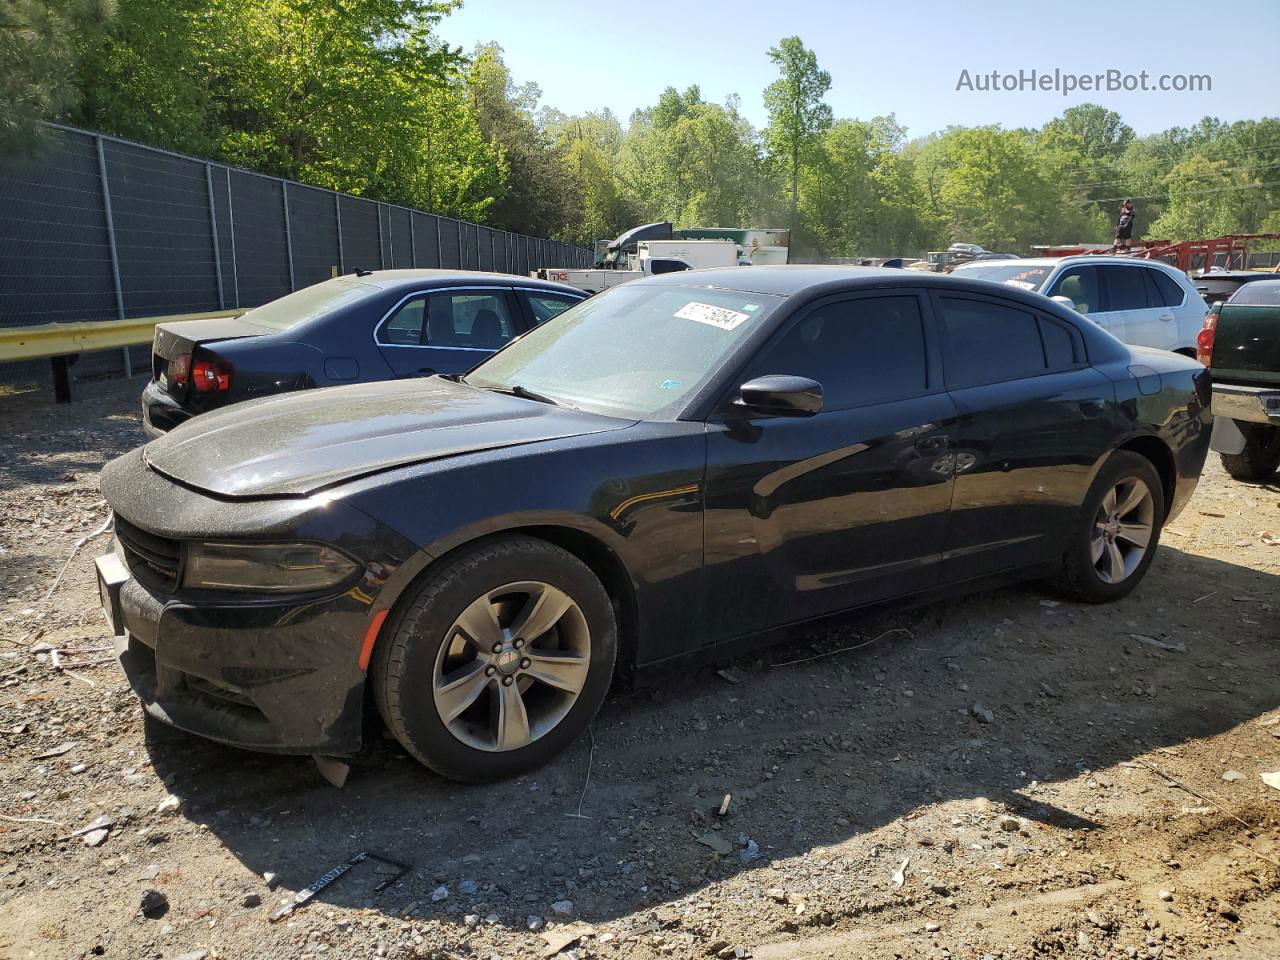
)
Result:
{"points": [[1124, 226]]}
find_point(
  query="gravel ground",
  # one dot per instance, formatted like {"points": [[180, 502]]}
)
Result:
{"points": [[1008, 776]]}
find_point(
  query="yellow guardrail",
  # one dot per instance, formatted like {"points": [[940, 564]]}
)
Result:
{"points": [[62, 339]]}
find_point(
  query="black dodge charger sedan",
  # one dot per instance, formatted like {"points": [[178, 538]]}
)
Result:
{"points": [[363, 326], [681, 466]]}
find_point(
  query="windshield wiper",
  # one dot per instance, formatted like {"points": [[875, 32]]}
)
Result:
{"points": [[524, 393]]}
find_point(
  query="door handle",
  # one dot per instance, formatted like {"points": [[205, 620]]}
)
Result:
{"points": [[933, 444], [426, 372], [1166, 317], [1093, 406]]}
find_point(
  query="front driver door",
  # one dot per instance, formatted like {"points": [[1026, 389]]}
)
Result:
{"points": [[805, 517]]}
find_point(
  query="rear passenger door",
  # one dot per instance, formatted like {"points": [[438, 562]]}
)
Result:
{"points": [[1033, 419], [446, 331]]}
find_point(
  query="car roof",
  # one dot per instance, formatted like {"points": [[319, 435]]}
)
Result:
{"points": [[406, 280], [781, 280], [1088, 258], [806, 282]]}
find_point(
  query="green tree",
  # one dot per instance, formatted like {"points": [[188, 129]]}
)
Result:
{"points": [[39, 51], [539, 198], [798, 116]]}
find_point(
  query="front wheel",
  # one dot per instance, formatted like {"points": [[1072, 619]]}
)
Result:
{"points": [[498, 661], [1258, 461], [1114, 538]]}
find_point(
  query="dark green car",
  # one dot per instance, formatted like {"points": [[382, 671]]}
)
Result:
{"points": [[1240, 343]]}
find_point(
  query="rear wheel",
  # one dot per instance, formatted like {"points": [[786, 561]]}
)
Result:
{"points": [[498, 661], [1114, 538], [1258, 461]]}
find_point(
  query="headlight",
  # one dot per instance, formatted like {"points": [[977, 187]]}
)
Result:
{"points": [[266, 567]]}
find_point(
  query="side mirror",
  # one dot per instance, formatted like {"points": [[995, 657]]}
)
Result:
{"points": [[1066, 302], [781, 396]]}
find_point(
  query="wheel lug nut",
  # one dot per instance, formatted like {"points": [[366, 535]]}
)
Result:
{"points": [[525, 663], [518, 644], [497, 648], [508, 681], [490, 670]]}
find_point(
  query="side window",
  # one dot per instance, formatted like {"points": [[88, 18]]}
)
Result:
{"points": [[468, 319], [989, 342], [1080, 286], [546, 306], [1060, 347], [862, 351], [1168, 292], [405, 328], [1126, 288]]}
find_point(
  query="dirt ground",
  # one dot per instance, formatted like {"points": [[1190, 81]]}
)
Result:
{"points": [[1008, 776]]}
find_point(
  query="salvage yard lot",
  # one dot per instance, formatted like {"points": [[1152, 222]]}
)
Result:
{"points": [[1008, 775]]}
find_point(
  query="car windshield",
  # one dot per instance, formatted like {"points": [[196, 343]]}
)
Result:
{"points": [[1017, 274], [1263, 293], [309, 302], [637, 350]]}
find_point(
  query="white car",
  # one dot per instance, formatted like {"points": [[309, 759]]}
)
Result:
{"points": [[1146, 303]]}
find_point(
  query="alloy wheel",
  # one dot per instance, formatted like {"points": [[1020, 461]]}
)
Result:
{"points": [[512, 666], [1122, 530]]}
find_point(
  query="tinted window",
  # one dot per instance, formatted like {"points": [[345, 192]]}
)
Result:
{"points": [[989, 342], [474, 319], [546, 306], [1080, 286], [1262, 293], [1126, 288], [1168, 291], [1059, 344], [861, 351]]}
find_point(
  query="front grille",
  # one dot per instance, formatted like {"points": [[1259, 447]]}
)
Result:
{"points": [[155, 561]]}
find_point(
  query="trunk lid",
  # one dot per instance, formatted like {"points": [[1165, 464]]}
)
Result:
{"points": [[182, 337], [297, 444], [1246, 343]]}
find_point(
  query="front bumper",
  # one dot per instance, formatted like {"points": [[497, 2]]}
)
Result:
{"points": [[281, 677], [160, 412]]}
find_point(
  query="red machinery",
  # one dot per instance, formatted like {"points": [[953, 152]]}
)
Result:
{"points": [[1229, 252]]}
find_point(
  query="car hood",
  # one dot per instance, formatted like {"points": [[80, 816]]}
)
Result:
{"points": [[300, 443]]}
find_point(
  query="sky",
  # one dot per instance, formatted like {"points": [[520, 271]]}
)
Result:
{"points": [[883, 57]]}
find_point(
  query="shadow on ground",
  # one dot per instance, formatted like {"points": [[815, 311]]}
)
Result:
{"points": [[813, 753]]}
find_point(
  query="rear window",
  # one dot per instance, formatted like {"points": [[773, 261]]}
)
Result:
{"points": [[1260, 293], [1015, 274], [309, 303]]}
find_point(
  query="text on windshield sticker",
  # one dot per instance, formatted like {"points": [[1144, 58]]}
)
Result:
{"points": [[721, 317]]}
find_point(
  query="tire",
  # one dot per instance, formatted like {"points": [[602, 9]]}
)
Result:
{"points": [[1258, 461], [1098, 577], [428, 666]]}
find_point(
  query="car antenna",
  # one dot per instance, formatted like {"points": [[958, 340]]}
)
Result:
{"points": [[362, 272]]}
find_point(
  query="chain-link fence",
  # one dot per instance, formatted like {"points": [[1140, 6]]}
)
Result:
{"points": [[99, 228]]}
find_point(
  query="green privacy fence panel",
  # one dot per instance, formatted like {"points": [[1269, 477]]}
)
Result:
{"points": [[99, 228]]}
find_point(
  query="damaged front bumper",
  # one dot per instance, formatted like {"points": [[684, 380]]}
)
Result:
{"points": [[277, 677]]}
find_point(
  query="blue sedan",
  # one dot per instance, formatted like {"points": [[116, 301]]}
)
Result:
{"points": [[360, 327]]}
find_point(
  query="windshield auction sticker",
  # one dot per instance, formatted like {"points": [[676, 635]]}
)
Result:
{"points": [[721, 317]]}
